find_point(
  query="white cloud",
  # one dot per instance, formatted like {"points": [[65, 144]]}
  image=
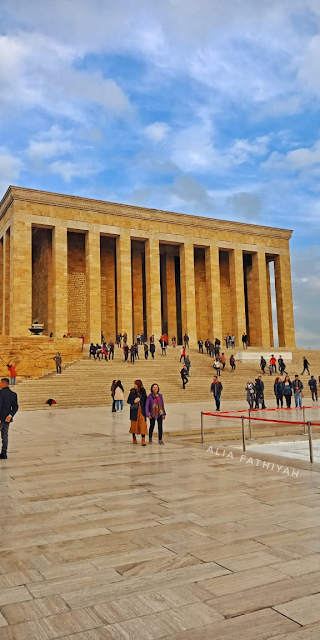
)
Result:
{"points": [[10, 169], [69, 170], [157, 131], [306, 291], [302, 159]]}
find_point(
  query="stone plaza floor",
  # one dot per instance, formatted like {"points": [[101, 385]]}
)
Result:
{"points": [[102, 539]]}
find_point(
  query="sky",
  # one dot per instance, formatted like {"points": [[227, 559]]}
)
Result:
{"points": [[207, 107]]}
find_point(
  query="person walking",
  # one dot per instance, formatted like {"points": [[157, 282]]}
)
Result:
{"points": [[137, 400], [250, 393], [119, 395], [223, 361], [187, 362], [216, 366], [13, 373], [92, 351], [184, 376], [152, 349], [244, 341], [232, 363], [273, 362], [259, 393], [136, 351], [306, 366], [313, 388], [8, 409], [207, 346], [155, 411], [233, 341], [126, 352], [297, 387], [263, 364], [216, 389], [58, 361], [287, 391], [118, 340], [183, 354], [132, 353], [111, 350], [163, 347], [278, 392], [200, 345], [146, 350], [281, 365], [113, 387], [228, 341], [186, 340]]}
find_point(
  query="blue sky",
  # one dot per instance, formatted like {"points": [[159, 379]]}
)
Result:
{"points": [[209, 107]]}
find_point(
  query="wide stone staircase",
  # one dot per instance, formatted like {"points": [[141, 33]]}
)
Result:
{"points": [[86, 383]]}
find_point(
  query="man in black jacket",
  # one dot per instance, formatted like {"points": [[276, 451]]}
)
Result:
{"points": [[259, 393], [8, 409]]}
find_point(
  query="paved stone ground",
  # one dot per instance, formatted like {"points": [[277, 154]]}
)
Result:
{"points": [[102, 539]]}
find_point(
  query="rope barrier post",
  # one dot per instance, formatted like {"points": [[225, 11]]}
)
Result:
{"points": [[202, 434], [243, 434], [310, 441], [250, 434], [304, 419]]}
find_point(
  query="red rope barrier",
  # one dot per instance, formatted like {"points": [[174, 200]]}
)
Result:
{"points": [[219, 415]]}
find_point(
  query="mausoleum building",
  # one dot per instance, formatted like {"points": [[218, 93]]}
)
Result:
{"points": [[84, 266]]}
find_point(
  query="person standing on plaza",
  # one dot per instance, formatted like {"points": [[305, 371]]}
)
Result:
{"points": [[126, 352], [273, 362], [281, 365], [163, 346], [58, 362], [92, 351], [136, 351], [184, 376], [278, 389], [306, 366], [232, 363], [13, 373], [125, 338], [207, 346], [259, 393], [113, 387], [155, 411], [244, 341], [250, 393], [297, 387], [118, 395], [186, 340], [137, 400], [233, 341], [132, 353], [8, 409], [223, 361], [174, 341], [111, 350], [118, 340], [216, 366], [146, 350], [313, 388], [152, 349], [287, 391], [200, 345], [152, 340], [216, 389], [183, 354]]}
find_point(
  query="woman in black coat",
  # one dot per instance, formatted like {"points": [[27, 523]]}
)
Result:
{"points": [[137, 400]]}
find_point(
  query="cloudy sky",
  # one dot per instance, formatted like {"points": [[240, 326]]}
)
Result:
{"points": [[208, 107]]}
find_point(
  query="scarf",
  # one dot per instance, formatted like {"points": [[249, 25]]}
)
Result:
{"points": [[157, 409]]}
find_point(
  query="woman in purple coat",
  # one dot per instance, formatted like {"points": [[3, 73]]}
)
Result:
{"points": [[155, 411]]}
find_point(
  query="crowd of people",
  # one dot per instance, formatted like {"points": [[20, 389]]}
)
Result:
{"points": [[143, 407]]}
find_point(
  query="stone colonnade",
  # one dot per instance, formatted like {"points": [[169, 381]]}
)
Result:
{"points": [[83, 281]]}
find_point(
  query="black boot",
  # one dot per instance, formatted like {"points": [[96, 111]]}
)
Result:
{"points": [[3, 455]]}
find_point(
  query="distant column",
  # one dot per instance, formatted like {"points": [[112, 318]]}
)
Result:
{"points": [[153, 293], [60, 279], [20, 277], [237, 294], [124, 285], [93, 279], [284, 301], [171, 295], [260, 301], [213, 293], [188, 298]]}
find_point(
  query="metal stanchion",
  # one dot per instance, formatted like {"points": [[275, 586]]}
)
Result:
{"points": [[304, 419], [250, 434], [243, 434], [310, 441], [202, 434]]}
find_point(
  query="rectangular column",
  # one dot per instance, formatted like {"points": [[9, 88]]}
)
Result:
{"points": [[153, 293], [1, 284], [93, 286], [124, 285], [6, 284], [237, 294], [284, 301], [20, 277], [188, 298], [171, 295], [60, 279], [137, 287], [261, 310], [213, 293], [270, 305]]}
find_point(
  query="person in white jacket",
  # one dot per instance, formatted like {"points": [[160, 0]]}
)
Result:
{"points": [[119, 395]]}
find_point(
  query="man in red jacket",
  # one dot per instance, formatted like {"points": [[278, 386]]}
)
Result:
{"points": [[273, 363]]}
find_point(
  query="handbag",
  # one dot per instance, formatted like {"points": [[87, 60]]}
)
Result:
{"points": [[134, 408]]}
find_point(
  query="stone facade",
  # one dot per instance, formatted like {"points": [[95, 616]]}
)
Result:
{"points": [[85, 266], [33, 356]]}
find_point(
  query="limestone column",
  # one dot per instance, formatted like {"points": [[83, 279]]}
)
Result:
{"points": [[261, 309], [20, 277], [270, 305], [93, 281], [60, 279], [188, 298], [124, 285], [284, 301], [237, 294], [213, 293], [137, 280], [153, 293], [171, 295]]}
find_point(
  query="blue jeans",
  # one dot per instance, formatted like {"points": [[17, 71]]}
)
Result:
{"points": [[12, 381], [217, 399], [298, 398], [118, 403]]}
